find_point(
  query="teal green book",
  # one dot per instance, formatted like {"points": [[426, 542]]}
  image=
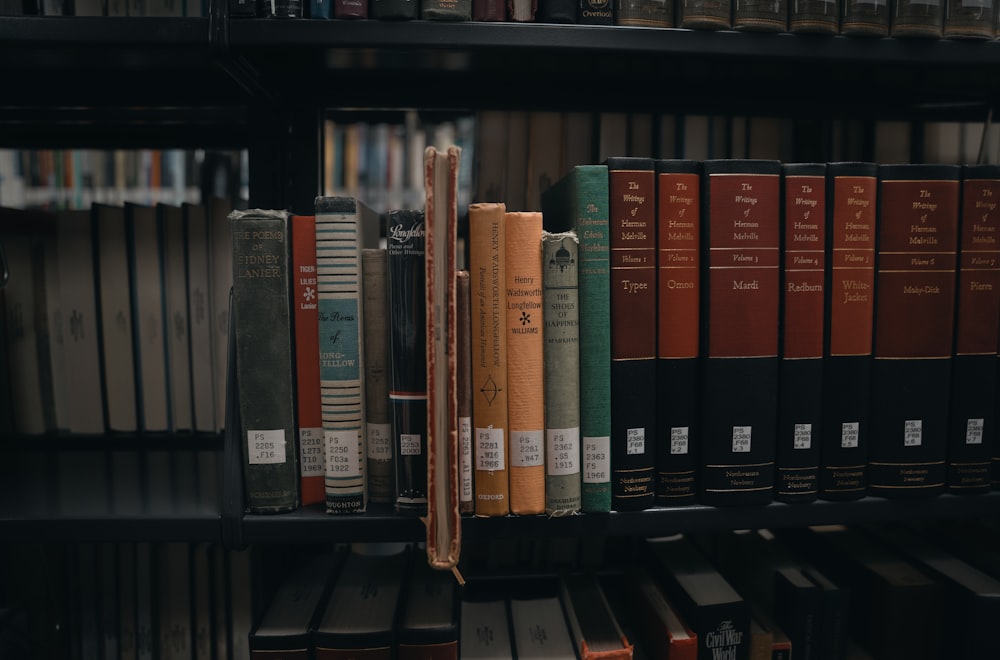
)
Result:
{"points": [[579, 201]]}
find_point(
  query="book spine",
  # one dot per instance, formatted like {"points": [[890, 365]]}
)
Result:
{"points": [[973, 398], [740, 328], [557, 11], [341, 359], [852, 190], [678, 208], [264, 359], [378, 430], [312, 460], [446, 10], [521, 11], [525, 360], [561, 298], [198, 288], [590, 206], [394, 9], [176, 322], [645, 13], [407, 356], [705, 14], [320, 9], [969, 19], [487, 249], [596, 12], [800, 394], [632, 203], [760, 15], [814, 16], [346, 9], [864, 18], [463, 370], [490, 11], [914, 324], [917, 18]]}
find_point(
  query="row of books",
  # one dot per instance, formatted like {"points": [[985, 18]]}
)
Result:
{"points": [[116, 318], [168, 600], [832, 592], [903, 18], [104, 8]]}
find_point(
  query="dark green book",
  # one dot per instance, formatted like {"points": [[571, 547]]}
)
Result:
{"points": [[580, 201], [265, 362]]}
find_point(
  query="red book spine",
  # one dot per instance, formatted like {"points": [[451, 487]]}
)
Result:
{"points": [[350, 9], [310, 423]]}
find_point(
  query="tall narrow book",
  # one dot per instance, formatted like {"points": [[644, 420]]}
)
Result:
{"points": [[487, 249], [221, 274], [199, 287], [344, 227], [661, 629], [579, 201], [176, 324], [678, 268], [972, 419], [561, 298], [444, 524], [378, 427], [312, 455], [265, 366], [800, 377], [914, 325], [407, 356], [632, 203], [463, 383], [851, 198], [740, 275], [524, 325]]}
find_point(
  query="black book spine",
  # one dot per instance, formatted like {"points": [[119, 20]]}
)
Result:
{"points": [[740, 302], [407, 356], [596, 12], [914, 326], [800, 393], [557, 11], [446, 10], [400, 10]]}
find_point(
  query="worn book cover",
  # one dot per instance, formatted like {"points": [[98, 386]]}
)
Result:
{"points": [[265, 367]]}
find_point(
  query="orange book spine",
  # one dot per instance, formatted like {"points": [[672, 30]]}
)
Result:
{"points": [[487, 258], [525, 359], [310, 423]]}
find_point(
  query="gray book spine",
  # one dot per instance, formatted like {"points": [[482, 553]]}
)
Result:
{"points": [[381, 470], [560, 299]]}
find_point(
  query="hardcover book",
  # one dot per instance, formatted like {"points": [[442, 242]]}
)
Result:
{"points": [[851, 198], [539, 629], [662, 631], [914, 325], [312, 454], [972, 417], [521, 11], [348, 9], [557, 11], [407, 356], [760, 15], [344, 227], [429, 618], [381, 464], [176, 323], [221, 273], [561, 300], [359, 616], [917, 18], [969, 19], [320, 8], [814, 16], [740, 280], [579, 201], [632, 203], [265, 368], [397, 10], [596, 12], [487, 249], [866, 18], [592, 624], [645, 13], [800, 377], [444, 523], [446, 10], [485, 633], [199, 288], [678, 268], [489, 11], [525, 362], [704, 14], [463, 383]]}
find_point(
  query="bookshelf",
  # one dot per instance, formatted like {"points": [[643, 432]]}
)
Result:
{"points": [[265, 85]]}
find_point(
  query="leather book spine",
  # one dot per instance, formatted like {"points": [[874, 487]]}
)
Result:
{"points": [[644, 13], [379, 450], [800, 377], [407, 356], [632, 205], [972, 421], [487, 252], [917, 18], [851, 196], [446, 10], [312, 464], [864, 18], [760, 15], [560, 261], [914, 326], [705, 14], [740, 279], [678, 268], [525, 362], [351, 9], [969, 19], [264, 359], [489, 11], [814, 16]]}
